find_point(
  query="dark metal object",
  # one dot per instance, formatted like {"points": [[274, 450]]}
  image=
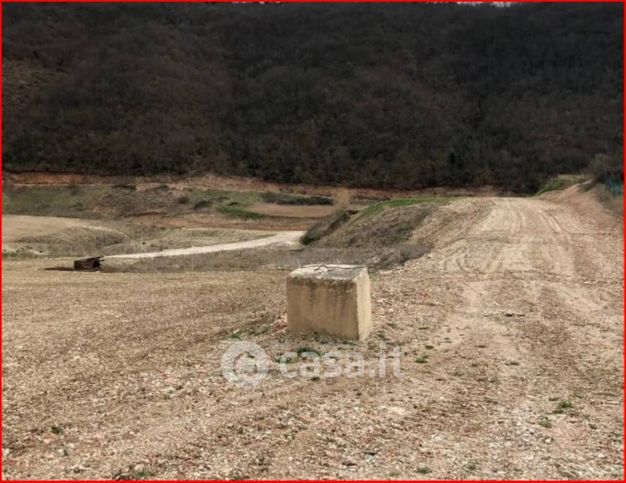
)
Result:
{"points": [[92, 264]]}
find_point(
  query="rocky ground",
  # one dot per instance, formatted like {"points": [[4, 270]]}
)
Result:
{"points": [[511, 367]]}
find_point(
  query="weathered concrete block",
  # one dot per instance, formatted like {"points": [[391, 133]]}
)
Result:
{"points": [[330, 299]]}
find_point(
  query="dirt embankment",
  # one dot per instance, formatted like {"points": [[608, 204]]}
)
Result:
{"points": [[232, 183]]}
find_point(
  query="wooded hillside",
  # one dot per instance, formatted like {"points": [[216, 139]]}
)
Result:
{"points": [[400, 96]]}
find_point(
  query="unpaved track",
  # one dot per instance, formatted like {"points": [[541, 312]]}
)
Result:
{"points": [[282, 238], [528, 304], [519, 307]]}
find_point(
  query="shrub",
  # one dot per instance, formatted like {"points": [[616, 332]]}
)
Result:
{"points": [[202, 204], [286, 199], [122, 186], [606, 169], [234, 209]]}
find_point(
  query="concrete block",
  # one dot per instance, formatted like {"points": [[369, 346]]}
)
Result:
{"points": [[330, 299]]}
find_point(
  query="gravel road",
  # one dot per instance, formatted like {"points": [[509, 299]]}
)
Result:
{"points": [[281, 238]]}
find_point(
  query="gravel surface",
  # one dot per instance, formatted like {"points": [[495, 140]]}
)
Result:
{"points": [[284, 238], [510, 330]]}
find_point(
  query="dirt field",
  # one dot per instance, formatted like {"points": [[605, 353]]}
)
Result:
{"points": [[287, 211], [27, 236], [511, 332], [174, 205], [15, 227]]}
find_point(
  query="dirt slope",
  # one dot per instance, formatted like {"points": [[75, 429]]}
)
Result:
{"points": [[518, 309]]}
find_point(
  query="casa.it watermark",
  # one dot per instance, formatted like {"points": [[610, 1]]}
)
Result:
{"points": [[246, 364]]}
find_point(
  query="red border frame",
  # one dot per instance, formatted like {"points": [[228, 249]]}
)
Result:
{"points": [[307, 1], [623, 2]]}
